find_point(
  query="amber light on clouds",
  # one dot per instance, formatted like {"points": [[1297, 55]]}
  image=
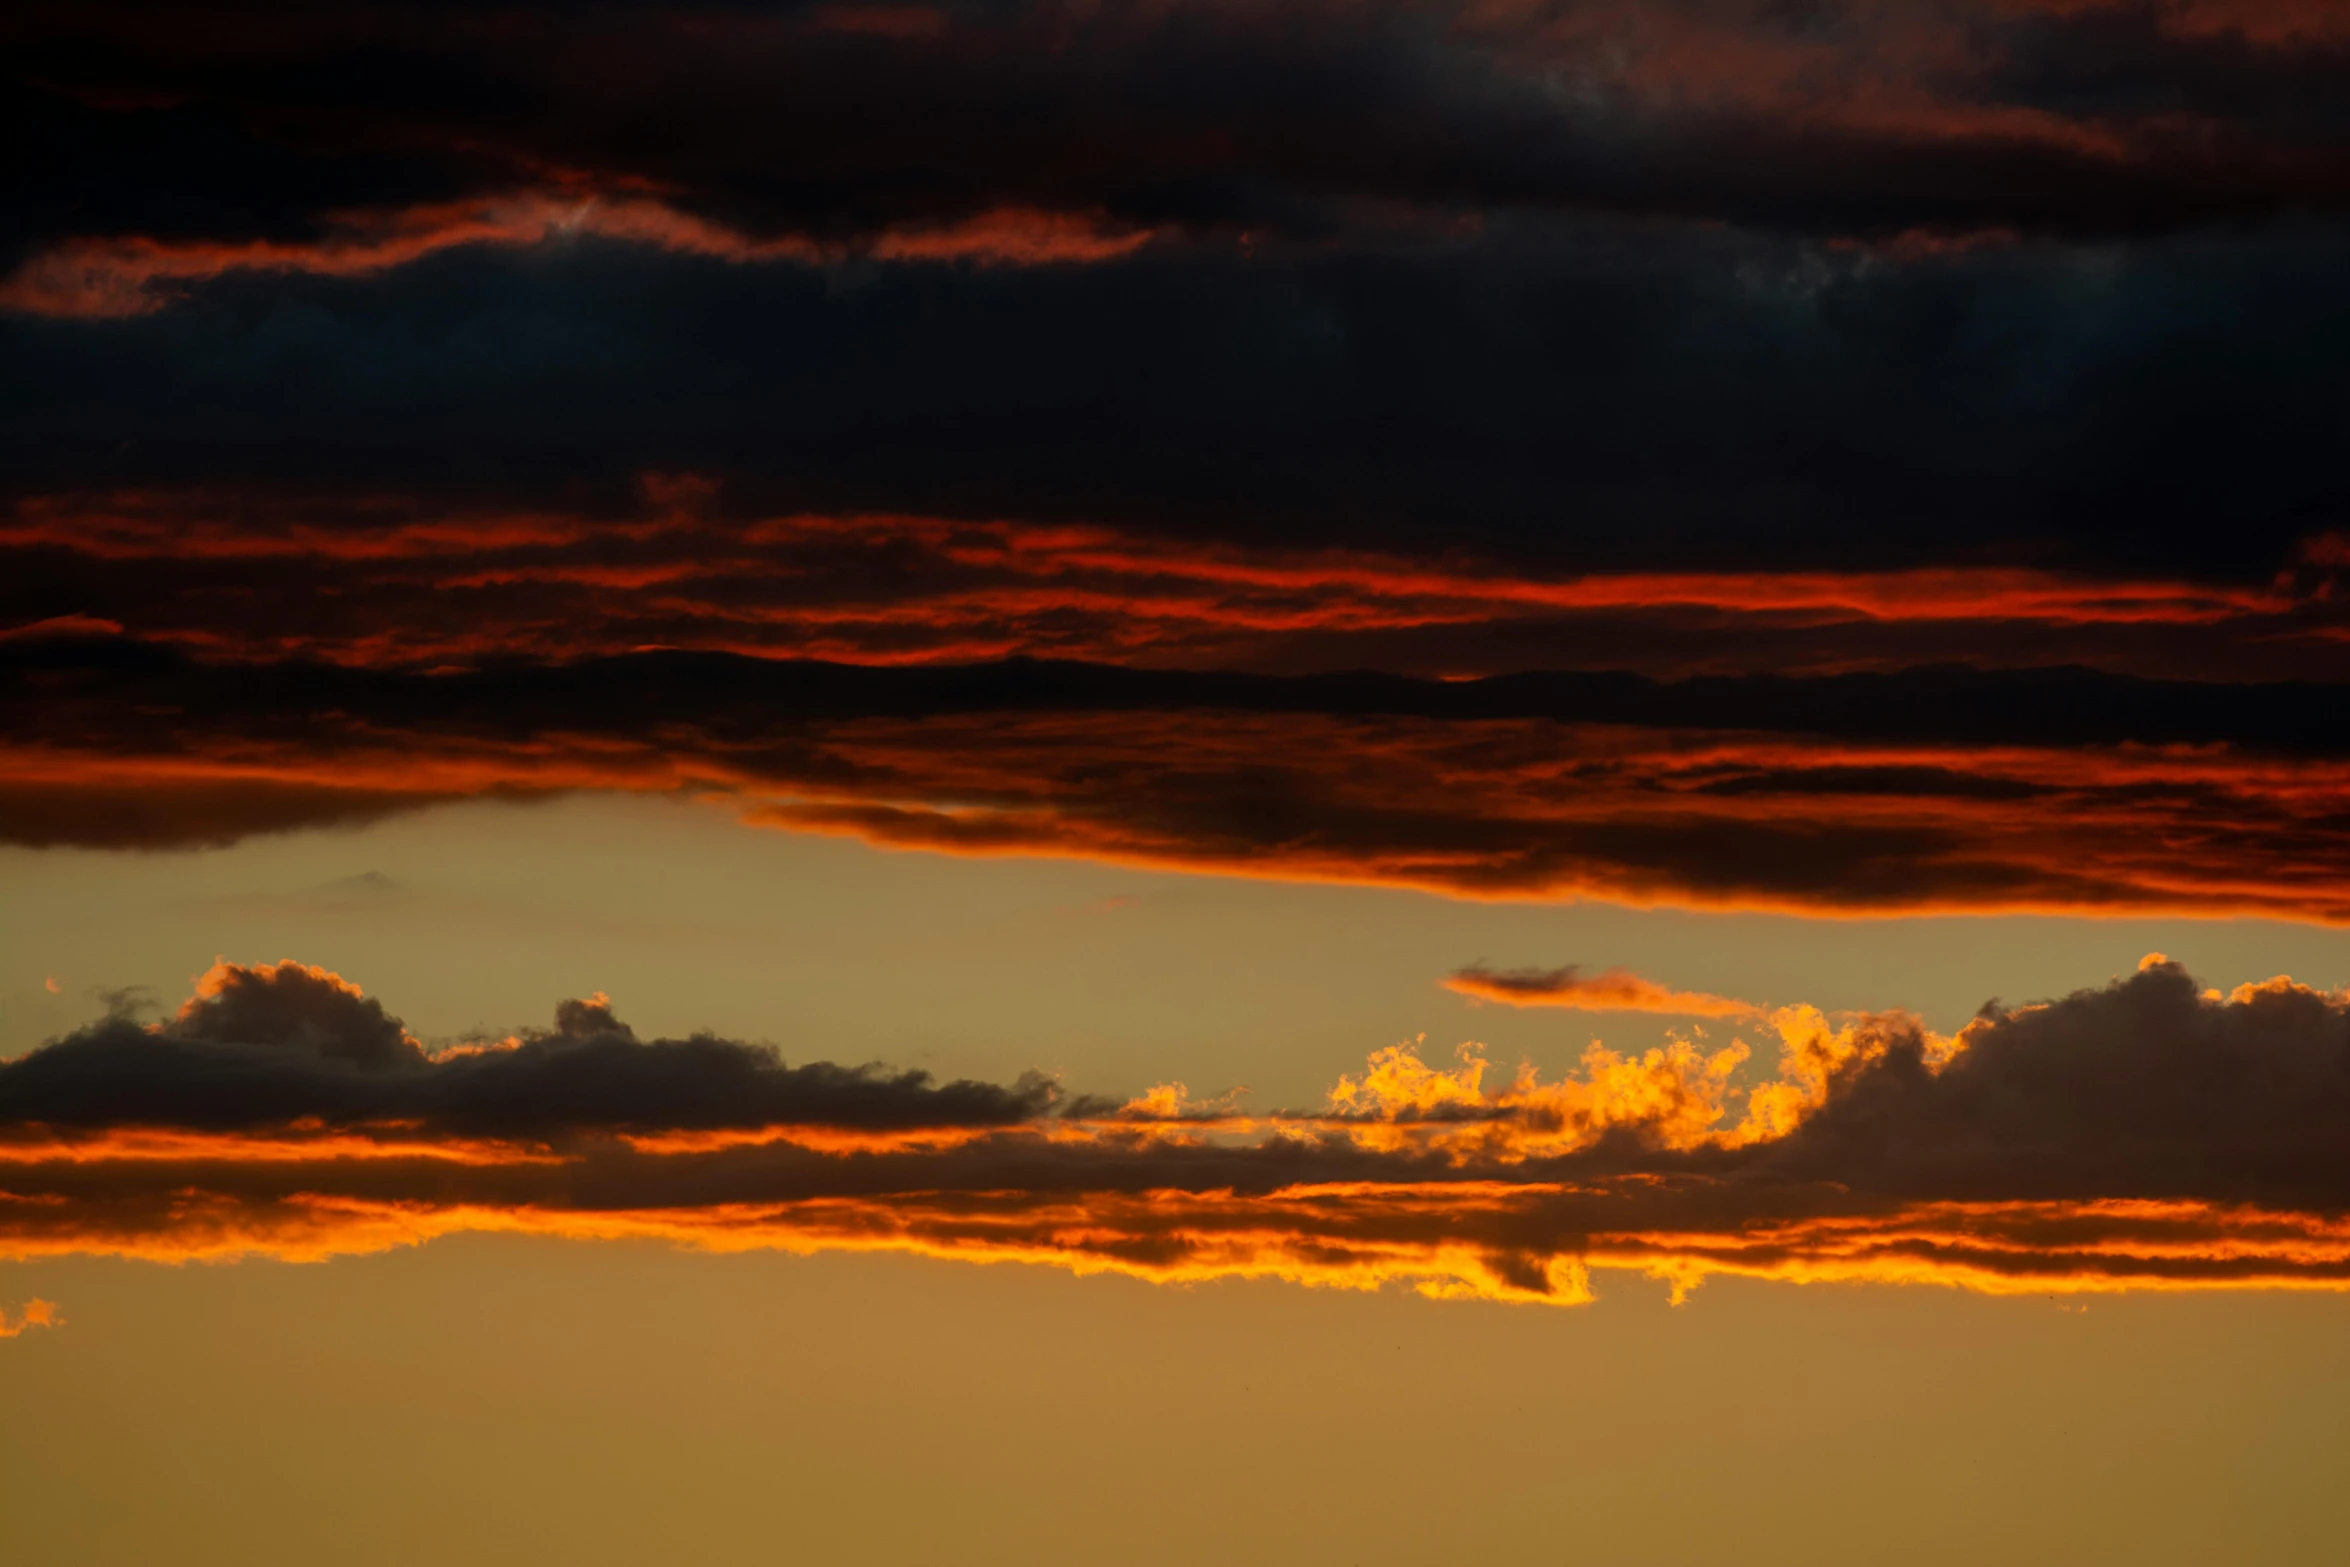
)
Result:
{"points": [[1303, 672], [2093, 1143]]}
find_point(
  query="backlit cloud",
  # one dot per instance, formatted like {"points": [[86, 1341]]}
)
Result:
{"points": [[2144, 1134], [1930, 789], [1611, 990]]}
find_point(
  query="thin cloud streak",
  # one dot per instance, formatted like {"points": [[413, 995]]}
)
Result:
{"points": [[1611, 990], [386, 581], [114, 277]]}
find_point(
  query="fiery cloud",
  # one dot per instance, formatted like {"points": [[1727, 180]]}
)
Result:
{"points": [[1931, 790], [397, 582], [2146, 1134]]}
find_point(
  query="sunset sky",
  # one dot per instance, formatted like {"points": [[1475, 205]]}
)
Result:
{"points": [[1356, 781]]}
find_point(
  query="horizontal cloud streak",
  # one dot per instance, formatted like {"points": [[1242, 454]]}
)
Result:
{"points": [[2143, 1134], [1927, 789], [1612, 990], [128, 276], [389, 580]]}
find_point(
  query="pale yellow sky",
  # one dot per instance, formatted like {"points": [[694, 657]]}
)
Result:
{"points": [[520, 1402], [499, 1400]]}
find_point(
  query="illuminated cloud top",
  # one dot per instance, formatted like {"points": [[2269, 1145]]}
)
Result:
{"points": [[2139, 1135]]}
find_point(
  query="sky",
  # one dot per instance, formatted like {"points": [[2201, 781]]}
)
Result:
{"points": [[1376, 781]]}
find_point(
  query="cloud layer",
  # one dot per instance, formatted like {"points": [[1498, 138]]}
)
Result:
{"points": [[1927, 789], [1612, 990], [2140, 1134]]}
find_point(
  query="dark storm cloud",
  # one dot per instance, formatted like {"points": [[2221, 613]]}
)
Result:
{"points": [[1569, 398], [1562, 283], [1831, 117]]}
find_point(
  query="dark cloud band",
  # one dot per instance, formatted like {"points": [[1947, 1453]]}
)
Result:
{"points": [[2143, 1134], [1930, 789]]}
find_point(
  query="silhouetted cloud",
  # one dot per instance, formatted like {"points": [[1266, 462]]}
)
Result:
{"points": [[287, 1043], [1729, 286], [2141, 1134], [2053, 789], [1843, 117], [1610, 990]]}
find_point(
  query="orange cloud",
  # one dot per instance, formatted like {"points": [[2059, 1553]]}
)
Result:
{"points": [[2088, 1143], [1505, 808], [893, 589], [36, 1314], [1611, 990]]}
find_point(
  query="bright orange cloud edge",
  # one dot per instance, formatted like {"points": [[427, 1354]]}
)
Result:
{"points": [[1467, 809], [1467, 1204]]}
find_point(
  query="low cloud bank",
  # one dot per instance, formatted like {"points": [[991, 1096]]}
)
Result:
{"points": [[2143, 1133]]}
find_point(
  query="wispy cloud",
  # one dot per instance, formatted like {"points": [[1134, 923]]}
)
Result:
{"points": [[1610, 990], [36, 1314]]}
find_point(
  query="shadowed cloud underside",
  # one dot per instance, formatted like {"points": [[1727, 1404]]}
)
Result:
{"points": [[2140, 1135], [1943, 788]]}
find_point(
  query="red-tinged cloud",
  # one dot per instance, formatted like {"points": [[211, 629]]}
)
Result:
{"points": [[2144, 1134], [1932, 790], [134, 274], [1610, 990], [393, 581], [1863, 121]]}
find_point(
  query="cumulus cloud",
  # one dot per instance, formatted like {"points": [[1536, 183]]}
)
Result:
{"points": [[272, 1045], [2148, 1088], [293, 1007], [2145, 1133]]}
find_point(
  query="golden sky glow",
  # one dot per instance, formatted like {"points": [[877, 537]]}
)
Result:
{"points": [[931, 781]]}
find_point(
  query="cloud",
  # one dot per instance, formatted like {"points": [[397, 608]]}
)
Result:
{"points": [[98, 278], [282, 1044], [1963, 118], [2143, 1134], [1699, 401], [36, 1314], [2146, 1089], [1929, 789], [1612, 990], [368, 581], [293, 1007]]}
